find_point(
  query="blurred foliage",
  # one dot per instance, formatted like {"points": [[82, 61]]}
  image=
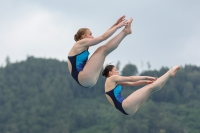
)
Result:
{"points": [[40, 96]]}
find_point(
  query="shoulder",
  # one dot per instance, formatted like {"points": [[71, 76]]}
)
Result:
{"points": [[109, 84], [76, 49], [114, 77], [83, 41]]}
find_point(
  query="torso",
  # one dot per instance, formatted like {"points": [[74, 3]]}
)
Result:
{"points": [[109, 85], [113, 94], [76, 49]]}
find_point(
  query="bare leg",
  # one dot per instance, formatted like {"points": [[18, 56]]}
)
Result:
{"points": [[90, 74], [133, 102]]}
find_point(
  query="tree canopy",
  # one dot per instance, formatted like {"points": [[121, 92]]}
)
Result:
{"points": [[40, 96]]}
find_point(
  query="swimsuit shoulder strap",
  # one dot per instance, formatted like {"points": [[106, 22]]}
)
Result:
{"points": [[111, 90]]}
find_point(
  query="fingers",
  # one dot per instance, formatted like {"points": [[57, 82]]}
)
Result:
{"points": [[152, 78], [122, 18], [149, 81], [123, 23]]}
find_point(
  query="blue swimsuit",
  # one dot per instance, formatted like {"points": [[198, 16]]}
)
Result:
{"points": [[115, 95], [78, 62]]}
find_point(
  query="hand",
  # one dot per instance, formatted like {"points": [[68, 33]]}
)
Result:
{"points": [[149, 81], [151, 78], [122, 18], [123, 23]]}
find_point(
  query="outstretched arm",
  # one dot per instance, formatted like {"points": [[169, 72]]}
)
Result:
{"points": [[122, 18], [90, 42], [118, 78], [137, 83]]}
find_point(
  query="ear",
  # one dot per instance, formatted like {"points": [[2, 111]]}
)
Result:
{"points": [[109, 73], [83, 36]]}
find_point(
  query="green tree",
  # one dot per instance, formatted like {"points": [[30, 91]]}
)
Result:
{"points": [[129, 70]]}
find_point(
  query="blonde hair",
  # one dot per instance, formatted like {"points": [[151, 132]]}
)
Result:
{"points": [[79, 34]]}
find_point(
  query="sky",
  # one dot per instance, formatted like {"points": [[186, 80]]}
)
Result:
{"points": [[164, 33]]}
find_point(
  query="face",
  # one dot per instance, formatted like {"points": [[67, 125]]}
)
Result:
{"points": [[88, 34], [114, 71]]}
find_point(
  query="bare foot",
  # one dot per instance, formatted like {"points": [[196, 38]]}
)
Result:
{"points": [[174, 70], [127, 28]]}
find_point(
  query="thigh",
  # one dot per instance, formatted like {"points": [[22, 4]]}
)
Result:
{"points": [[133, 102], [93, 67]]}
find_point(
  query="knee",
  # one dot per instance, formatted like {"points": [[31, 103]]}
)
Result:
{"points": [[102, 49], [129, 108], [154, 87]]}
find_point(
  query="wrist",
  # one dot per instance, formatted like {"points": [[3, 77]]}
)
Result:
{"points": [[117, 26], [145, 82]]}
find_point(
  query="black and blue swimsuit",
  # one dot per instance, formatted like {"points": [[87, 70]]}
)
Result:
{"points": [[115, 95], [78, 62]]}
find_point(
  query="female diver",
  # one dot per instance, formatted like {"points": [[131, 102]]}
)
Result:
{"points": [[132, 103], [84, 71]]}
